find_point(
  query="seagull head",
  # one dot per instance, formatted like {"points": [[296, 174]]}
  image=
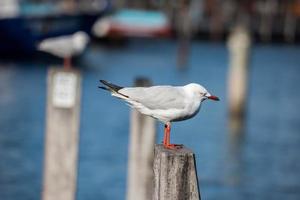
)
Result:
{"points": [[200, 92]]}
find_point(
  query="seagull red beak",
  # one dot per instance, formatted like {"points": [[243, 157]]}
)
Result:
{"points": [[212, 97]]}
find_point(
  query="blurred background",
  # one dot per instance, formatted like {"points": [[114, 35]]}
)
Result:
{"points": [[247, 147]]}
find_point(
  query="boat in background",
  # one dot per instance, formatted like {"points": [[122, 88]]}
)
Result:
{"points": [[23, 25], [133, 23]]}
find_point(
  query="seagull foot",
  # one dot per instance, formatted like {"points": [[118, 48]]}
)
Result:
{"points": [[173, 146]]}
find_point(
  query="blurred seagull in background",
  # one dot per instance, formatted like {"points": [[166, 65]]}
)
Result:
{"points": [[164, 103], [65, 46]]}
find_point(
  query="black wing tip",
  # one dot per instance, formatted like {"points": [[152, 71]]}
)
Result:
{"points": [[104, 88], [111, 85], [103, 81]]}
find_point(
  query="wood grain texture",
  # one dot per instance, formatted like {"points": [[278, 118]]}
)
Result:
{"points": [[175, 176], [61, 144]]}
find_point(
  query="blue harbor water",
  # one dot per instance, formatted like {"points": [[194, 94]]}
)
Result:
{"points": [[263, 163]]}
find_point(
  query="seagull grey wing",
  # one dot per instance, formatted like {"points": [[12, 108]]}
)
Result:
{"points": [[61, 46], [157, 97]]}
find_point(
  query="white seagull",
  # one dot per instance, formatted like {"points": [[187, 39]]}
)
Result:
{"points": [[65, 46], [164, 103]]}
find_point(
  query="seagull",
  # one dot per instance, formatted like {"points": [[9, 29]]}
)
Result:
{"points": [[65, 46], [164, 102]]}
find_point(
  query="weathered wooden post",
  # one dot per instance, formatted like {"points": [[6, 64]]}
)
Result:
{"points": [[62, 127], [175, 175], [141, 145], [239, 44]]}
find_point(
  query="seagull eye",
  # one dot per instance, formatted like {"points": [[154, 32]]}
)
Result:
{"points": [[202, 93]]}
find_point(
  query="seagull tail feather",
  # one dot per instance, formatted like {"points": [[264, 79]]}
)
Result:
{"points": [[104, 88], [111, 86], [114, 89]]}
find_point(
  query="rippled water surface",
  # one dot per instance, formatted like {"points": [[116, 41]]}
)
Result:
{"points": [[263, 163]]}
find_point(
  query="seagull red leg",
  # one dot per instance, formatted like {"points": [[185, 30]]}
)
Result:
{"points": [[167, 138], [168, 130], [168, 134], [67, 63]]}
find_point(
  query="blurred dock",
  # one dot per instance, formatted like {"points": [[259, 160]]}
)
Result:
{"points": [[270, 20], [24, 25]]}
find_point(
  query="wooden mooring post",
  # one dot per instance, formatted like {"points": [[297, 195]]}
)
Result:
{"points": [[62, 134], [175, 175], [239, 45], [140, 154]]}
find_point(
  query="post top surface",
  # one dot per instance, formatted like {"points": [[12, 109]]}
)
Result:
{"points": [[180, 151]]}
